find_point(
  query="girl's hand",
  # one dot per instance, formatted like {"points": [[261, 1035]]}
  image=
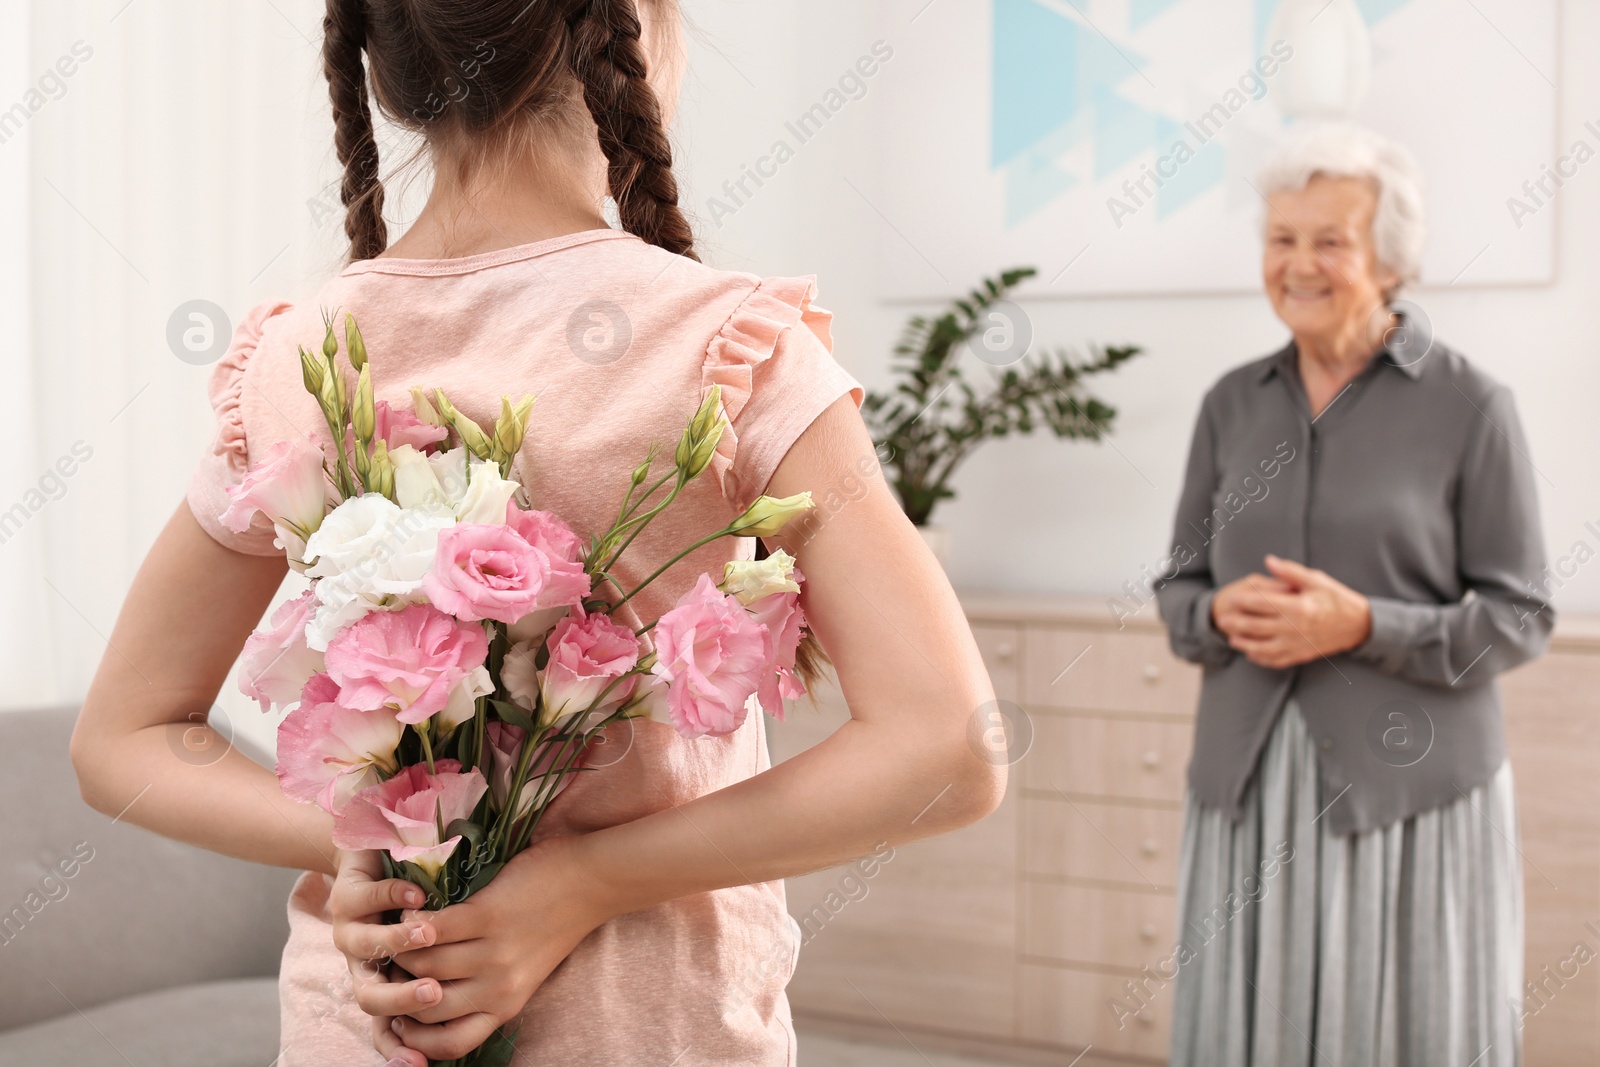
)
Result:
{"points": [[496, 948], [358, 901]]}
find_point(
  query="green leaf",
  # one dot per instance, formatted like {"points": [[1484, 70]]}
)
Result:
{"points": [[513, 714], [498, 1051]]}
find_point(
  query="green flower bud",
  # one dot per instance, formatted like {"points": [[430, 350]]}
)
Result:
{"points": [[768, 515], [310, 372], [353, 342], [364, 417], [472, 435], [424, 409], [699, 441]]}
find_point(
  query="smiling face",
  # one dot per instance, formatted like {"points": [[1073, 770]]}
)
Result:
{"points": [[1320, 265]]}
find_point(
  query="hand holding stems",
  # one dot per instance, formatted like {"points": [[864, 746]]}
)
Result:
{"points": [[1292, 615], [492, 952], [359, 899]]}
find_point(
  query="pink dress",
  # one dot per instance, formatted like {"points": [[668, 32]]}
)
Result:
{"points": [[619, 341]]}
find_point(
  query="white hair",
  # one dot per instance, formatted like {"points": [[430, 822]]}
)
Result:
{"points": [[1339, 149]]}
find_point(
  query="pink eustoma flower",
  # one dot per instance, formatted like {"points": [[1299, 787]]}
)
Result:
{"points": [[492, 571], [327, 753], [408, 660], [504, 749], [288, 487], [397, 426], [713, 655], [781, 614], [588, 651], [403, 815], [276, 663]]}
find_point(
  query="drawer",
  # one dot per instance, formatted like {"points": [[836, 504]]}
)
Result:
{"points": [[1001, 647], [1136, 846], [1108, 757], [1103, 670], [1102, 927], [1119, 1014]]}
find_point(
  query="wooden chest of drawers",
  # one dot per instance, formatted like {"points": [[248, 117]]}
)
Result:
{"points": [[1020, 936]]}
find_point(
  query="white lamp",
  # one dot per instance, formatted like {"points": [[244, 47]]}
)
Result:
{"points": [[1328, 73]]}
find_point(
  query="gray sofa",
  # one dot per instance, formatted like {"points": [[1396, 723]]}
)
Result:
{"points": [[118, 947]]}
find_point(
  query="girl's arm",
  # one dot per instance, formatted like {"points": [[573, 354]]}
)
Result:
{"points": [[142, 748], [905, 766], [908, 764]]}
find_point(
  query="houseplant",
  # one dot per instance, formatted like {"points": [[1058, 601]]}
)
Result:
{"points": [[934, 419]]}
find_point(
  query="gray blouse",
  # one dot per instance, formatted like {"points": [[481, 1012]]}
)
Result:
{"points": [[1414, 488]]}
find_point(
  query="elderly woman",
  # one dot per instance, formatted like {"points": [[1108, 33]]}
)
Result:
{"points": [[1355, 559]]}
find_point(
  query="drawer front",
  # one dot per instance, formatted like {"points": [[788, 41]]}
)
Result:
{"points": [[1102, 927], [1119, 1014], [1135, 846], [1108, 757], [1103, 670]]}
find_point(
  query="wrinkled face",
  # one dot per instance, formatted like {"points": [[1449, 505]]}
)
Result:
{"points": [[1319, 264], [661, 35]]}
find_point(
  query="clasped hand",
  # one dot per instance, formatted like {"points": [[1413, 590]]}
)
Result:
{"points": [[1291, 615], [475, 964]]}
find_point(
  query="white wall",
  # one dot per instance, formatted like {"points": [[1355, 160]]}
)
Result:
{"points": [[186, 159]]}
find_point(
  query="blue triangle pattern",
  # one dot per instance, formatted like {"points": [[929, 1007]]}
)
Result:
{"points": [[1122, 131], [1035, 89], [1207, 169]]}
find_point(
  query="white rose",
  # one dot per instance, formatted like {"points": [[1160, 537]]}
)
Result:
{"points": [[487, 495]]}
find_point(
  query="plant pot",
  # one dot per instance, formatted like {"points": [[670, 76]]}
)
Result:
{"points": [[938, 540]]}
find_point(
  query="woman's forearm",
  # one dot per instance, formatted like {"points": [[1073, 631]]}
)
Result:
{"points": [[201, 790], [837, 801]]}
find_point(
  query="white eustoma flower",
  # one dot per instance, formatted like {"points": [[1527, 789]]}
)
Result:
{"points": [[415, 481], [749, 580], [463, 699], [370, 553], [487, 495], [451, 469]]}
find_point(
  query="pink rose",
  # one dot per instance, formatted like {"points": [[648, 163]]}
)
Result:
{"points": [[490, 571], [398, 426], [288, 487], [327, 753], [713, 655], [409, 660], [781, 614], [403, 814], [587, 653], [276, 662]]}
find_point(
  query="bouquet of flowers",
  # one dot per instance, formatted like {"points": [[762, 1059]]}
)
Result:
{"points": [[456, 653]]}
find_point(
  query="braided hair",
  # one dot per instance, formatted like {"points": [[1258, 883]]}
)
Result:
{"points": [[430, 74]]}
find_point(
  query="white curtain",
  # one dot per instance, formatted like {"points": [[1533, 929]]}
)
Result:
{"points": [[24, 642], [186, 157]]}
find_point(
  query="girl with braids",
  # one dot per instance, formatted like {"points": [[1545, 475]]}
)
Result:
{"points": [[647, 924]]}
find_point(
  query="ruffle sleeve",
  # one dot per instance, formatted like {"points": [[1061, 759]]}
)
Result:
{"points": [[773, 358], [227, 460]]}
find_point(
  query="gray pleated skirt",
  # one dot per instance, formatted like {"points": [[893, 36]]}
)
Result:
{"points": [[1399, 946]]}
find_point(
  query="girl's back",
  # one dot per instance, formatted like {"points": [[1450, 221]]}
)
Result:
{"points": [[619, 341]]}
